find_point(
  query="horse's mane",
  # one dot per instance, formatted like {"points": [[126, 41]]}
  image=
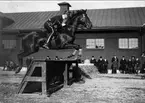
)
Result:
{"points": [[77, 12]]}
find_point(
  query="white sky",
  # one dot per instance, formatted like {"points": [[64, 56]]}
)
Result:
{"points": [[34, 6]]}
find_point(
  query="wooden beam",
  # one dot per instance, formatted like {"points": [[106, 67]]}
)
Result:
{"points": [[35, 79]]}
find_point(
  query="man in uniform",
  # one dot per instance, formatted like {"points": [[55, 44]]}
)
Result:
{"points": [[123, 64], [55, 24], [105, 66], [93, 61], [133, 63], [100, 64], [114, 64], [137, 67]]}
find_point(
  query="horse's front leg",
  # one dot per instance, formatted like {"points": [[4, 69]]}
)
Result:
{"points": [[76, 47], [80, 52], [73, 54]]}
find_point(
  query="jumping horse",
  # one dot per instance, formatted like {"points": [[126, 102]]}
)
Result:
{"points": [[64, 40]]}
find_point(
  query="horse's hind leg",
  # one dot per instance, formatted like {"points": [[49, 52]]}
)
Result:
{"points": [[20, 60]]}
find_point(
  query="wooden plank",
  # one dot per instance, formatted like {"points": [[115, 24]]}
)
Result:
{"points": [[23, 87], [35, 79], [44, 89], [65, 74], [32, 69], [32, 95]]}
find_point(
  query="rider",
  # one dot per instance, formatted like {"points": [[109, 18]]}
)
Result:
{"points": [[54, 24]]}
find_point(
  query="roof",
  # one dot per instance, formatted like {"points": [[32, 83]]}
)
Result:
{"points": [[30, 20], [6, 20], [128, 17]]}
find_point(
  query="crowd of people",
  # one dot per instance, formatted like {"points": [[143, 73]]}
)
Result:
{"points": [[130, 66], [10, 66]]}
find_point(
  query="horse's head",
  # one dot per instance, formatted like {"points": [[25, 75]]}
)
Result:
{"points": [[83, 19]]}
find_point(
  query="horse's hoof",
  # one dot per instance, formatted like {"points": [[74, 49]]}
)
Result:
{"points": [[16, 72], [45, 47]]}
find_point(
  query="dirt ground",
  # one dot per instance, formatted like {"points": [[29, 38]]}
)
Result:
{"points": [[104, 88]]}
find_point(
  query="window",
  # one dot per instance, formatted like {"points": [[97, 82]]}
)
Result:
{"points": [[123, 43], [95, 43], [9, 44], [133, 43], [128, 43]]}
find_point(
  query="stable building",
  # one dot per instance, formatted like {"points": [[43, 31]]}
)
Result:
{"points": [[117, 31]]}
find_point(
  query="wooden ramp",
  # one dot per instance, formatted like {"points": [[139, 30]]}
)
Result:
{"points": [[89, 69], [40, 72]]}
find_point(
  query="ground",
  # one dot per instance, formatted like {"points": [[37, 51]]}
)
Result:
{"points": [[104, 88]]}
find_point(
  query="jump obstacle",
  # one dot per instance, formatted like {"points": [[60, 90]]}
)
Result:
{"points": [[40, 72]]}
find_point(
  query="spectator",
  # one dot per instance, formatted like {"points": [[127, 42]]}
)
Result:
{"points": [[56, 58], [93, 61], [137, 67], [6, 66], [133, 63], [129, 66], [143, 68], [123, 64], [114, 65], [48, 58], [61, 58], [105, 66], [100, 64]]}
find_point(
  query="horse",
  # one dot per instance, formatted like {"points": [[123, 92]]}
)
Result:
{"points": [[64, 40]]}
